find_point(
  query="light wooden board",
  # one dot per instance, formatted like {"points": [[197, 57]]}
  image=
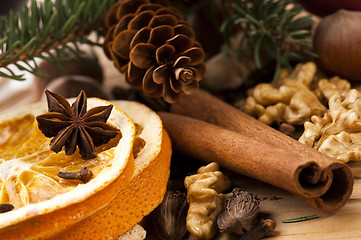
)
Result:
{"points": [[278, 205]]}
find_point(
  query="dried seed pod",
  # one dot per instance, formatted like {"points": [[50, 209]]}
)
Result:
{"points": [[169, 218], [263, 229], [240, 212]]}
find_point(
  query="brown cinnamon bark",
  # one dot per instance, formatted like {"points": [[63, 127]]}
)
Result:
{"points": [[247, 146]]}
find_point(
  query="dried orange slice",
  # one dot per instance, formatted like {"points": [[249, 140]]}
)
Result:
{"points": [[144, 192], [45, 204]]}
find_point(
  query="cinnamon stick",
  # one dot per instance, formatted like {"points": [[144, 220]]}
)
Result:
{"points": [[247, 146]]}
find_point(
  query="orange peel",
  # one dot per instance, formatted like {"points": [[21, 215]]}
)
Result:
{"points": [[120, 194]]}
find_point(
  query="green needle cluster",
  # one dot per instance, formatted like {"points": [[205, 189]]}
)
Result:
{"points": [[276, 27], [51, 30]]}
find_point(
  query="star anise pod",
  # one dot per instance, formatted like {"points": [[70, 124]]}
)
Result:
{"points": [[73, 125]]}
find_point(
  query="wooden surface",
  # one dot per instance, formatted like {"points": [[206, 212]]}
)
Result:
{"points": [[278, 204]]}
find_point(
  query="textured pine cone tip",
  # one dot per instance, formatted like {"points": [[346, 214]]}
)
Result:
{"points": [[149, 41]]}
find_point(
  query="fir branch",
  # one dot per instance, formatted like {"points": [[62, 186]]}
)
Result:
{"points": [[50, 30], [272, 26]]}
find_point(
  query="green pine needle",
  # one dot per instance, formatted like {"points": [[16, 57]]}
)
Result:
{"points": [[271, 26], [299, 219], [51, 31]]}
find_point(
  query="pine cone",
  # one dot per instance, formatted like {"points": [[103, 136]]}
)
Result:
{"points": [[149, 41]]}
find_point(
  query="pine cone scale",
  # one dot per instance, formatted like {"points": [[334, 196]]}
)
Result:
{"points": [[175, 85], [119, 63], [160, 20], [182, 61], [128, 7], [149, 86], [184, 75], [185, 30], [159, 35], [111, 19], [181, 43], [196, 55], [149, 6], [123, 24], [143, 55], [140, 20], [142, 36], [168, 94], [122, 42], [108, 39], [156, 50], [161, 74], [165, 54], [135, 74]]}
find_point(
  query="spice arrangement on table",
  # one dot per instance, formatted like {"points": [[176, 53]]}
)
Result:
{"points": [[157, 119]]}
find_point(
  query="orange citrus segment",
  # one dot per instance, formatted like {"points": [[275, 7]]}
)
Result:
{"points": [[29, 171]]}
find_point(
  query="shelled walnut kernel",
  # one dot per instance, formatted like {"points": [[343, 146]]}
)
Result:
{"points": [[205, 199], [338, 132], [289, 100]]}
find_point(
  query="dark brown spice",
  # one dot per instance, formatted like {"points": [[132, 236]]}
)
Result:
{"points": [[138, 145], [240, 212], [287, 129], [138, 129], [169, 218], [264, 229], [6, 207], [83, 175], [73, 126]]}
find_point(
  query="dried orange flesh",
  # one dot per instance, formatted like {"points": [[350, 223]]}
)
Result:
{"points": [[29, 173], [122, 191], [29, 169]]}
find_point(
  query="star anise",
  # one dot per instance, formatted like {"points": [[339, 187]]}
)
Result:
{"points": [[73, 125]]}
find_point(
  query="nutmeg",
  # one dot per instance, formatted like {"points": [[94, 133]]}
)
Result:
{"points": [[337, 41]]}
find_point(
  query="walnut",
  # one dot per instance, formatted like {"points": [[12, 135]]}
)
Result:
{"points": [[205, 199], [338, 132], [304, 73], [289, 100], [334, 86]]}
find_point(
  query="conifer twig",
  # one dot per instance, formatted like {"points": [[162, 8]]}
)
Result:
{"points": [[50, 30], [271, 26]]}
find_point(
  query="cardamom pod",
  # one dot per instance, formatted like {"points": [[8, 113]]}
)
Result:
{"points": [[169, 218]]}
